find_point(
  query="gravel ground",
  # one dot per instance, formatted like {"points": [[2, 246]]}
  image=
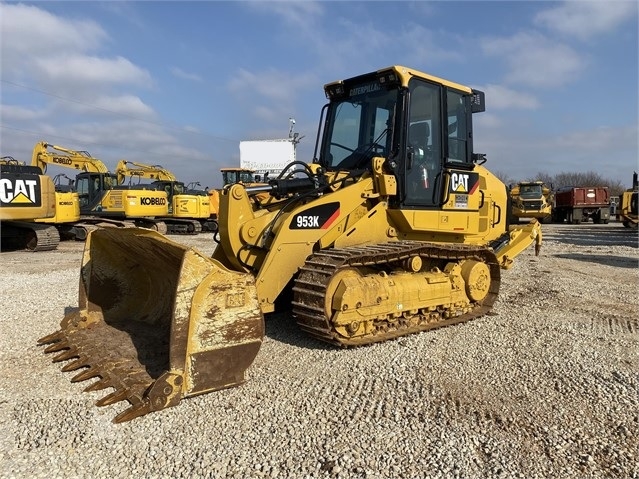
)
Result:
{"points": [[546, 387]]}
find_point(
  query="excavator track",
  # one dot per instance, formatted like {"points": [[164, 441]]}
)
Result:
{"points": [[80, 230], [313, 288], [29, 236], [152, 224], [183, 226]]}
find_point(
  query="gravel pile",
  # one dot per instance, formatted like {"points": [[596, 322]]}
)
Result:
{"points": [[547, 386]]}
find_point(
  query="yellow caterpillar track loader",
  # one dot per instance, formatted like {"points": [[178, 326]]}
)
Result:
{"points": [[26, 197], [396, 227], [188, 213], [103, 202]]}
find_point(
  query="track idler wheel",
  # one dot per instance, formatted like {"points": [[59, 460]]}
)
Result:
{"points": [[476, 274]]}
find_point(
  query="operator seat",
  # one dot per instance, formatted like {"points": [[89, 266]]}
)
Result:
{"points": [[420, 172], [418, 135]]}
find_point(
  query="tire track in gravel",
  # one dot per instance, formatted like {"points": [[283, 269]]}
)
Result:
{"points": [[430, 406]]}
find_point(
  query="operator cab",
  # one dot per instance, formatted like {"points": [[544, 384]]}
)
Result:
{"points": [[91, 188], [422, 130]]}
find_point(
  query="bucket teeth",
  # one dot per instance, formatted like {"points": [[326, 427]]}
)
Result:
{"points": [[84, 375], [97, 386], [71, 353], [57, 346], [77, 364], [51, 338], [138, 410], [112, 398]]}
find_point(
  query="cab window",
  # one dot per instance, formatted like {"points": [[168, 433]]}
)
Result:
{"points": [[423, 144], [457, 129]]}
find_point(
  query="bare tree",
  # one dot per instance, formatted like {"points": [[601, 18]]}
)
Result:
{"points": [[545, 177], [567, 179], [503, 177], [584, 180]]}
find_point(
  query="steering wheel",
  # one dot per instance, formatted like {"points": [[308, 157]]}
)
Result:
{"points": [[343, 147], [360, 155], [371, 147]]}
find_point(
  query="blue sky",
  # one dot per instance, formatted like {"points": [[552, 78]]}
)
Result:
{"points": [[182, 83]]}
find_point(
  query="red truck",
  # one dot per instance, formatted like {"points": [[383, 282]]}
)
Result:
{"points": [[575, 205]]}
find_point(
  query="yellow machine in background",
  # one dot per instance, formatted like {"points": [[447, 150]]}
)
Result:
{"points": [[188, 213], [627, 211], [102, 201], [230, 176], [531, 199], [396, 227], [26, 197], [67, 211], [236, 175]]}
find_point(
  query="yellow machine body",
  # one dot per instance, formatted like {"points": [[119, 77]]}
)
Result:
{"points": [[531, 199], [27, 197], [628, 209], [98, 190], [396, 227], [192, 208]]}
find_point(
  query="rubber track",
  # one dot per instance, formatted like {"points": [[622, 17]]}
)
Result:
{"points": [[310, 287], [34, 236], [183, 226], [87, 224], [47, 236]]}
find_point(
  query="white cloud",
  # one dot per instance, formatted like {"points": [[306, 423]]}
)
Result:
{"points": [[124, 105], [499, 97], [297, 14], [586, 19], [424, 45], [277, 86], [178, 72], [53, 55], [88, 70], [31, 30], [535, 60], [524, 152], [601, 139], [19, 113]]}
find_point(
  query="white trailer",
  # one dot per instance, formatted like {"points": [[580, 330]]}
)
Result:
{"points": [[267, 156]]}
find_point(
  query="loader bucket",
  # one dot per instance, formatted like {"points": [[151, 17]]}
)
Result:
{"points": [[157, 322]]}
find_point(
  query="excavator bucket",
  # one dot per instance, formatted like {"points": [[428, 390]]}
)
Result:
{"points": [[157, 322]]}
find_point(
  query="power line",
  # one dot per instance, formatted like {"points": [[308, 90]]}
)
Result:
{"points": [[78, 102], [89, 143]]}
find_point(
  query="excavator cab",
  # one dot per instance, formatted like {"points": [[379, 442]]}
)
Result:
{"points": [[91, 188]]}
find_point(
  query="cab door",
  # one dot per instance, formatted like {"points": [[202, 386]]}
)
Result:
{"points": [[423, 153]]}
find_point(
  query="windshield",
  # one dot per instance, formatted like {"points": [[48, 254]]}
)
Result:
{"points": [[110, 180], [237, 176], [530, 191], [358, 128]]}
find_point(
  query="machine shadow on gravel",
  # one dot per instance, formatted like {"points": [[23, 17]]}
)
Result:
{"points": [[282, 327], [604, 235], [616, 261]]}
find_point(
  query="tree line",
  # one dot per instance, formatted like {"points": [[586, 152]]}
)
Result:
{"points": [[563, 179]]}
